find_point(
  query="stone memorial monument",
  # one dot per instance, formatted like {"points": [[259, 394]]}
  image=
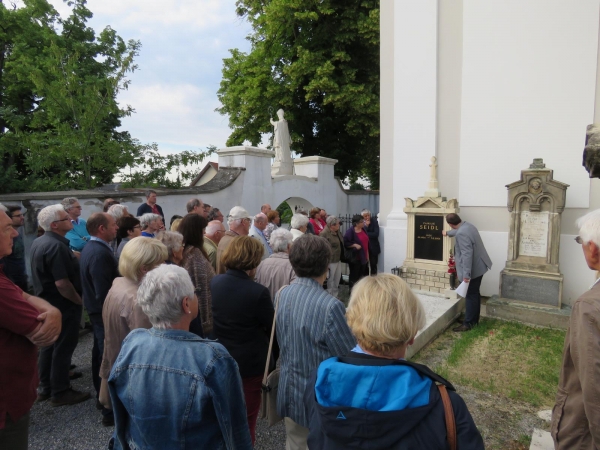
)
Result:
{"points": [[591, 152], [426, 265], [536, 203], [283, 164]]}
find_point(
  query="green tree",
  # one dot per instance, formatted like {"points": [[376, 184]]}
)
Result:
{"points": [[319, 61]]}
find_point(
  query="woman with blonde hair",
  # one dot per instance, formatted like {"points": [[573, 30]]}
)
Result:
{"points": [[120, 313], [385, 400], [243, 317]]}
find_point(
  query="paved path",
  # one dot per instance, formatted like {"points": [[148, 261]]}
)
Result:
{"points": [[78, 427]]}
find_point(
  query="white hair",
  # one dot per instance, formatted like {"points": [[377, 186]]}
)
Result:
{"points": [[161, 292], [280, 239], [146, 219], [589, 227], [117, 211], [299, 220], [332, 221], [231, 220], [172, 239], [213, 227], [261, 217], [48, 215], [365, 211], [3, 208], [68, 202]]}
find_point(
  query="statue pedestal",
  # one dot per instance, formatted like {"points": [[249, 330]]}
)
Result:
{"points": [[282, 168]]}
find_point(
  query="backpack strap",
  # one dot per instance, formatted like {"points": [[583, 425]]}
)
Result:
{"points": [[449, 416]]}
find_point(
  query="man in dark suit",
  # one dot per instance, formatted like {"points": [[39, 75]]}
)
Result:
{"points": [[472, 262], [372, 229], [150, 206], [98, 270]]}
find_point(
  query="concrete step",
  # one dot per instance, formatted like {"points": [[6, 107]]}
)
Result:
{"points": [[528, 313], [541, 440]]}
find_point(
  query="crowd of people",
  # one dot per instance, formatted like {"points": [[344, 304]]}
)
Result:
{"points": [[186, 314]]}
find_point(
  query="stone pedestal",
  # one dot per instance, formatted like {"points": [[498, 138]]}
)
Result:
{"points": [[282, 168], [536, 203], [426, 265]]}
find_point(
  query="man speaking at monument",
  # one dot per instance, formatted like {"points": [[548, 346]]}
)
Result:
{"points": [[472, 262]]}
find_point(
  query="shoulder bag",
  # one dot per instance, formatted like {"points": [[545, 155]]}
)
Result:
{"points": [[270, 382], [449, 417]]}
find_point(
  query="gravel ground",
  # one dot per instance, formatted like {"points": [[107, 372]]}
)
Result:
{"points": [[79, 427]]}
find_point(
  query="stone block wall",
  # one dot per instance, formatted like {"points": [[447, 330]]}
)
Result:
{"points": [[426, 280]]}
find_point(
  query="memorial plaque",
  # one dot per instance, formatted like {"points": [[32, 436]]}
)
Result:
{"points": [[534, 234], [531, 289], [429, 242]]}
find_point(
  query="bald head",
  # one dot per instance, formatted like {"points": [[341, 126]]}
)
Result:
{"points": [[215, 231], [265, 208], [261, 221]]}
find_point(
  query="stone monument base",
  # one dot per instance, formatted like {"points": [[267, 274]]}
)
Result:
{"points": [[539, 288], [282, 168], [426, 280]]}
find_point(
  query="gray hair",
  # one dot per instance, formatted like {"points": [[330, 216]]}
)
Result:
{"points": [[365, 211], [172, 240], [280, 239], [3, 208], [299, 220], [192, 204], [146, 219], [261, 217], [50, 214], [331, 221], [161, 292], [212, 227], [149, 192], [589, 227], [231, 220], [67, 203], [117, 211], [213, 213]]}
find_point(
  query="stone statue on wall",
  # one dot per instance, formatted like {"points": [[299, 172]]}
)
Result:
{"points": [[281, 144]]}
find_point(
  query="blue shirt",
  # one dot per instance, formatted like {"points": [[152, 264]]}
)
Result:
{"points": [[78, 236], [172, 389], [94, 238]]}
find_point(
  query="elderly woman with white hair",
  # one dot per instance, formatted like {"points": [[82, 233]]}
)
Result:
{"points": [[276, 271], [404, 408], [336, 240], [299, 224], [151, 224], [169, 387], [174, 243], [120, 313]]}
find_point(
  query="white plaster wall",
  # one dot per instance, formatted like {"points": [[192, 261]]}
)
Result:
{"points": [[577, 275], [528, 90]]}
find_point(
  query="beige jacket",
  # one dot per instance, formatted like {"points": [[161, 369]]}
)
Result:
{"points": [[275, 272], [120, 315], [576, 414], [336, 241], [211, 250]]}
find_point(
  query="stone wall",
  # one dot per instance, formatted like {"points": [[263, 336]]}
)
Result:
{"points": [[426, 280]]}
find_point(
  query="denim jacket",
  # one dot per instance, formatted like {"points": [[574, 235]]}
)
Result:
{"points": [[171, 389]]}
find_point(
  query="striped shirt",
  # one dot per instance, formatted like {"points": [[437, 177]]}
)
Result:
{"points": [[311, 327]]}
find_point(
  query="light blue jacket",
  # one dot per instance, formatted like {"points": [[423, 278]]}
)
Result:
{"points": [[78, 236], [172, 389]]}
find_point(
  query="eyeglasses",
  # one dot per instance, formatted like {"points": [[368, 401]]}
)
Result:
{"points": [[578, 239], [61, 220], [137, 226]]}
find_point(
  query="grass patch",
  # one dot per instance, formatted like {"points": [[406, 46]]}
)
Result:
{"points": [[507, 358]]}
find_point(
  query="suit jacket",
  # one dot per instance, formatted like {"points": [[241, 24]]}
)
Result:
{"points": [[472, 260], [145, 208], [257, 234], [98, 271], [576, 414], [211, 250], [243, 317]]}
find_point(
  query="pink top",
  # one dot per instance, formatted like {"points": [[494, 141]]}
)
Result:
{"points": [[364, 242], [317, 225]]}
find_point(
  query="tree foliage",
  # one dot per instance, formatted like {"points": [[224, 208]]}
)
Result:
{"points": [[319, 61], [59, 115]]}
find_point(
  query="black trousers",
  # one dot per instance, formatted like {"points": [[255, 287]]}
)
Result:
{"points": [[15, 435], [373, 263], [97, 353], [357, 271], [54, 360], [473, 302]]}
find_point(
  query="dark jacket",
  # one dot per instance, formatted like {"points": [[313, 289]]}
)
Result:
{"points": [[146, 208], [350, 237], [361, 401], [373, 233], [242, 320], [98, 271]]}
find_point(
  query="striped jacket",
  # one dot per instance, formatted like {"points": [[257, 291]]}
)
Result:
{"points": [[311, 327]]}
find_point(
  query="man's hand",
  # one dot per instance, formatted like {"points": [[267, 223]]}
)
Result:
{"points": [[444, 233], [77, 254], [356, 246], [48, 333], [367, 222], [466, 280]]}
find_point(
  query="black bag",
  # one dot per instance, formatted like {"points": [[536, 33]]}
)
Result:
{"points": [[348, 255]]}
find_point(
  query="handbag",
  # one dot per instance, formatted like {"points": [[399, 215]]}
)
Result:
{"points": [[270, 382], [348, 255], [449, 417]]}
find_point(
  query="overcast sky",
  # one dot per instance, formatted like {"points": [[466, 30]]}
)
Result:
{"points": [[174, 91]]}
